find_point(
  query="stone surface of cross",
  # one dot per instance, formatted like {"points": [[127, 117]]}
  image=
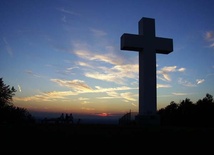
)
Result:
{"points": [[147, 44]]}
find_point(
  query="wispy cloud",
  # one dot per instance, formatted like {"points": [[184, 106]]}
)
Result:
{"points": [[104, 77], [92, 56], [190, 84], [77, 85], [67, 11], [19, 87], [98, 33], [112, 94], [163, 86], [179, 94], [106, 53], [128, 96], [64, 19], [46, 96], [122, 88], [134, 104], [84, 64], [83, 99], [88, 109], [8, 47], [199, 81], [186, 83], [163, 73], [85, 102], [29, 72], [117, 74], [209, 37], [69, 70], [117, 71]]}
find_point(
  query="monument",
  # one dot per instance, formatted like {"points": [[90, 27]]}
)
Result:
{"points": [[147, 44]]}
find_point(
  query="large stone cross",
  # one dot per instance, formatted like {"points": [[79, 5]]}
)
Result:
{"points": [[148, 45]]}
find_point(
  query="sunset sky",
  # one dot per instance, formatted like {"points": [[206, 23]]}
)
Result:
{"points": [[64, 56]]}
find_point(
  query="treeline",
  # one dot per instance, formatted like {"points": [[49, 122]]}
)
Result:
{"points": [[8, 112], [187, 113]]}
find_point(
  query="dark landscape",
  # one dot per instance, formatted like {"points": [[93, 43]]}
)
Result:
{"points": [[184, 127], [104, 137]]}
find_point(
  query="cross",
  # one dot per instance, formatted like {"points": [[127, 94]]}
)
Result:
{"points": [[148, 45]]}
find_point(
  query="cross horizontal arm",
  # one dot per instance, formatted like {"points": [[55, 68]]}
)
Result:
{"points": [[131, 42], [163, 45], [134, 42]]}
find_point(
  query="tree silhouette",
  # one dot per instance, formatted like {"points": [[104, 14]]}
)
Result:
{"points": [[8, 112], [6, 94], [187, 113]]}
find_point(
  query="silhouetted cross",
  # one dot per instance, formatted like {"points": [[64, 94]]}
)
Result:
{"points": [[148, 45]]}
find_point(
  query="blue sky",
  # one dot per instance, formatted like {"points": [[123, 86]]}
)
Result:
{"points": [[64, 56]]}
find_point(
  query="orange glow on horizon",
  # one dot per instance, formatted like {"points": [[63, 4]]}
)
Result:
{"points": [[103, 114]]}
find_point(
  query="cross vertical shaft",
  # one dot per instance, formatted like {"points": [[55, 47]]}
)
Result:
{"points": [[147, 69]]}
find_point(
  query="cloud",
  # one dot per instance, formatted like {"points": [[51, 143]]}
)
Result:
{"points": [[86, 54], [128, 96], [67, 11], [106, 53], [87, 109], [117, 71], [77, 85], [98, 33], [83, 88], [46, 96], [210, 74], [181, 69], [189, 84], [83, 99], [164, 72], [186, 83], [134, 104], [69, 70], [105, 77], [209, 37], [117, 74], [163, 86], [179, 94], [122, 88], [127, 70], [107, 97], [112, 93], [212, 45], [84, 64], [20, 89], [85, 102], [199, 81], [29, 72], [64, 19], [8, 47]]}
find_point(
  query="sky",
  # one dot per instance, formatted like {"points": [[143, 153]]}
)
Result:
{"points": [[64, 56]]}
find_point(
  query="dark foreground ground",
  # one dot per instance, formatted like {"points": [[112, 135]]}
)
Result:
{"points": [[102, 139]]}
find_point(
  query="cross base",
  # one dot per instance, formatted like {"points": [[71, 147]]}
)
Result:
{"points": [[147, 120]]}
